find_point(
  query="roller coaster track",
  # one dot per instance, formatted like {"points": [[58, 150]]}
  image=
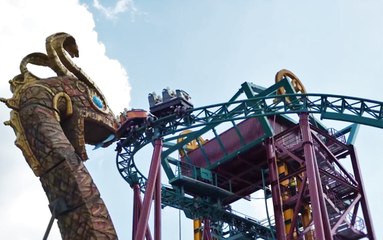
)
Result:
{"points": [[335, 107]]}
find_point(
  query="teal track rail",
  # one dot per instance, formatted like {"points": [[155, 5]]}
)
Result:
{"points": [[336, 107]]}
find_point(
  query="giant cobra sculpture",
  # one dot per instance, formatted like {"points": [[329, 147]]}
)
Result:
{"points": [[53, 118]]}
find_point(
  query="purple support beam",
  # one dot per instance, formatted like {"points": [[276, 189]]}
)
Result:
{"points": [[363, 200], [149, 192], [206, 229], [325, 216], [157, 207], [345, 214], [322, 229], [137, 206], [334, 160], [275, 191], [298, 205]]}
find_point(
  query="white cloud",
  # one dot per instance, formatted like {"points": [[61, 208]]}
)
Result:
{"points": [[24, 25], [120, 7]]}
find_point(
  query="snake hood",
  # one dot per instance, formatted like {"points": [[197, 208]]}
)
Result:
{"points": [[72, 97]]}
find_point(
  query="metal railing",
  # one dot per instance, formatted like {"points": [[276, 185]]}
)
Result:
{"points": [[202, 174]]}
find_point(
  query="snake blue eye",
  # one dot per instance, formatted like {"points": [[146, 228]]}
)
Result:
{"points": [[97, 101]]}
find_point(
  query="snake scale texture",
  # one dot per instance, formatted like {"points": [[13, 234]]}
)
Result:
{"points": [[53, 118]]}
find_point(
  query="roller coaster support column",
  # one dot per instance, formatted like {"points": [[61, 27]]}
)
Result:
{"points": [[137, 206], [157, 206], [365, 209], [206, 235], [275, 191], [319, 211], [153, 188]]}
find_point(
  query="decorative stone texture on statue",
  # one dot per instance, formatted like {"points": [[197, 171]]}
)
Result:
{"points": [[53, 119]]}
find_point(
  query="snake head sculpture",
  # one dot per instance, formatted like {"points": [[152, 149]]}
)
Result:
{"points": [[53, 118], [78, 104], [70, 46]]}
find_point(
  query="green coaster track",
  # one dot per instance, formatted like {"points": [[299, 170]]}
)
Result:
{"points": [[251, 101]]}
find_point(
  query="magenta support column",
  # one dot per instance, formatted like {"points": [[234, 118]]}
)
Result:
{"points": [[137, 205], [365, 208], [149, 192], [136, 208], [206, 235], [157, 207], [275, 192], [322, 231]]}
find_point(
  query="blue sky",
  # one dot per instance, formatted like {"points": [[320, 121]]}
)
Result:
{"points": [[208, 48]]}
